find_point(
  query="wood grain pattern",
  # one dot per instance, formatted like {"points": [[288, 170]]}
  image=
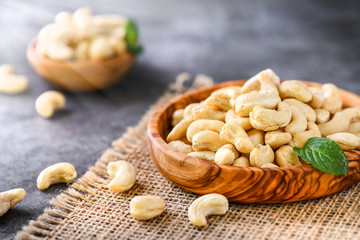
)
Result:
{"points": [[241, 184], [84, 75]]}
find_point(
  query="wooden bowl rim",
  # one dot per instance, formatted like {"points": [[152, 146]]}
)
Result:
{"points": [[155, 136], [31, 51]]}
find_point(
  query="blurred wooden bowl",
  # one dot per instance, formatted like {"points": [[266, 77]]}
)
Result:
{"points": [[82, 75], [242, 184]]}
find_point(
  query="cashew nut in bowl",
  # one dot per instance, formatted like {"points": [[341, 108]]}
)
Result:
{"points": [[223, 98], [261, 154], [285, 156], [322, 115], [354, 127], [123, 176], [204, 155], [204, 112], [256, 136], [226, 154], [146, 207], [277, 138], [308, 111], [10, 198], [269, 165], [49, 102], [333, 100], [11, 83], [179, 131], [269, 120], [177, 116], [298, 120], [241, 162], [64, 18], [210, 204], [346, 141], [99, 49], [207, 140], [295, 89], [201, 125], [245, 103], [181, 146], [255, 82], [318, 97], [57, 173], [58, 42], [339, 123], [243, 122], [235, 134]]}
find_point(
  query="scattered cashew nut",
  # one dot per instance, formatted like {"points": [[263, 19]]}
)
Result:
{"points": [[10, 198], [57, 173], [210, 204], [11, 83], [49, 102], [146, 207], [123, 176]]}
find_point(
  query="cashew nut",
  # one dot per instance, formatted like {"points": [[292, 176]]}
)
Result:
{"points": [[57, 40], [339, 123], [203, 124], [99, 49], [295, 89], [246, 102], [333, 100], [353, 113], [269, 120], [277, 138], [269, 165], [123, 176], [241, 162], [203, 112], [261, 154], [181, 146], [308, 111], [82, 21], [11, 83], [10, 198], [64, 18], [318, 97], [207, 140], [57, 173], [204, 155], [256, 136], [210, 204], [298, 120], [244, 122], [226, 154], [177, 116], [82, 50], [179, 131], [223, 98], [346, 141], [266, 81], [299, 138], [188, 110], [354, 127], [108, 23], [146, 207], [285, 157], [236, 135], [49, 102], [322, 115]]}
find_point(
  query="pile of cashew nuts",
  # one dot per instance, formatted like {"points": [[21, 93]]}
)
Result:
{"points": [[259, 123], [81, 36]]}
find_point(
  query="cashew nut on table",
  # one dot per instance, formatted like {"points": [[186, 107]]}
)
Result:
{"points": [[260, 122]]}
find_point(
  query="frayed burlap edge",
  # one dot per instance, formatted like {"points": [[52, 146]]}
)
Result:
{"points": [[87, 186]]}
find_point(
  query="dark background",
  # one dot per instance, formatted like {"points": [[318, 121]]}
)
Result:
{"points": [[310, 40]]}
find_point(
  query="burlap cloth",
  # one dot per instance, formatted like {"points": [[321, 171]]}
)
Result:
{"points": [[89, 210]]}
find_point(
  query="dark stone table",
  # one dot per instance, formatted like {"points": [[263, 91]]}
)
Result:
{"points": [[311, 40]]}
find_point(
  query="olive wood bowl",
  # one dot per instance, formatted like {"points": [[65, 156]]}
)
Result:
{"points": [[80, 75], [242, 184]]}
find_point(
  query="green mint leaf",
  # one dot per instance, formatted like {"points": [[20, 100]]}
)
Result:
{"points": [[131, 38], [325, 155]]}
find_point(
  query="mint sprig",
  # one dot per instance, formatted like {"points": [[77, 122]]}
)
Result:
{"points": [[325, 155], [131, 38]]}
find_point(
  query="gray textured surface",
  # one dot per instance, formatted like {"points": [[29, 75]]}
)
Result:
{"points": [[311, 40]]}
